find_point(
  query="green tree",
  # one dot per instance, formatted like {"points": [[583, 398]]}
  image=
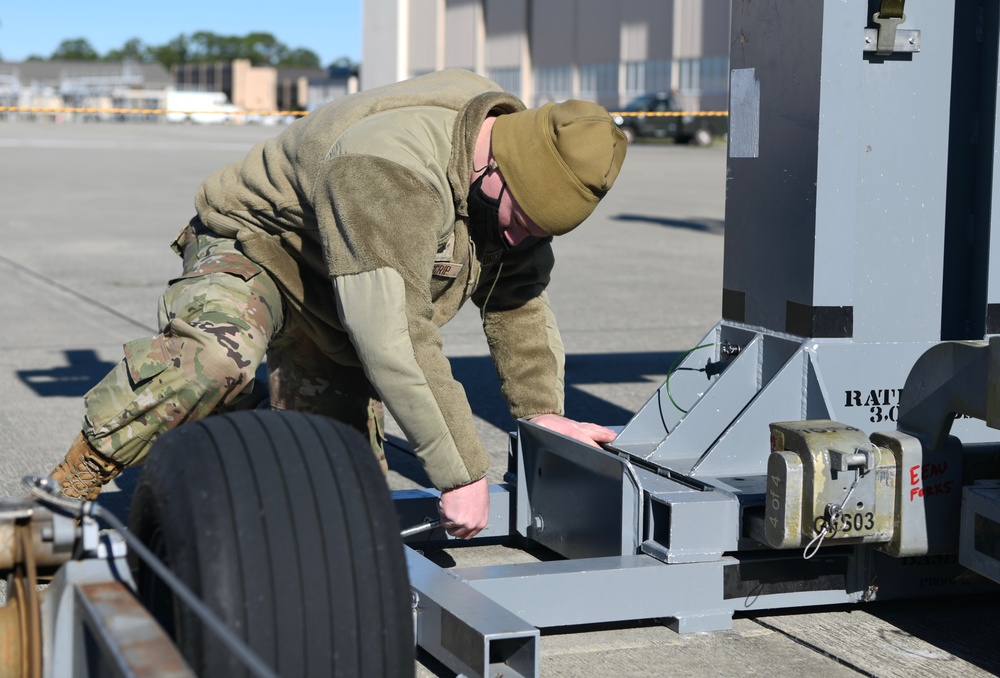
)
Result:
{"points": [[343, 62], [75, 49], [132, 50], [208, 47], [177, 51], [300, 57], [205, 46], [263, 49]]}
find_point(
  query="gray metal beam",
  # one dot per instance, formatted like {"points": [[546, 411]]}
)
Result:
{"points": [[979, 544], [616, 588], [467, 631], [577, 500]]}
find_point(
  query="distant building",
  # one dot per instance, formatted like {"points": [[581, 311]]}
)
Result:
{"points": [[254, 88], [293, 87], [305, 89], [551, 50], [266, 88], [83, 84], [134, 87]]}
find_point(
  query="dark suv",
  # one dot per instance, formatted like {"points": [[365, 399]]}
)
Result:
{"points": [[655, 115]]}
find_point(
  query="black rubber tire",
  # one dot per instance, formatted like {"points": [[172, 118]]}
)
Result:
{"points": [[283, 525]]}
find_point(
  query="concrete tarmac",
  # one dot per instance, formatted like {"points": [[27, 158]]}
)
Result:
{"points": [[87, 213]]}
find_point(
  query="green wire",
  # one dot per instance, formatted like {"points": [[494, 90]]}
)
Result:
{"points": [[673, 368]]}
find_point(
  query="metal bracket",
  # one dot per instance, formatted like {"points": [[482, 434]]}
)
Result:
{"points": [[888, 39]]}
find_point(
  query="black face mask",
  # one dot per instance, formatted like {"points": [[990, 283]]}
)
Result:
{"points": [[484, 216]]}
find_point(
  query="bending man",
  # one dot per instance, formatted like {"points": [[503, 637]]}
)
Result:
{"points": [[337, 250]]}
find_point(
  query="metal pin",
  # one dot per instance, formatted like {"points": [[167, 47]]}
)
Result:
{"points": [[425, 526]]}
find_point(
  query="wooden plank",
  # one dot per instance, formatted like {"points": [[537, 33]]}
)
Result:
{"points": [[652, 650], [930, 637]]}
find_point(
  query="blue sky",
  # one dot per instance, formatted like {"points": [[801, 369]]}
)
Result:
{"points": [[331, 29]]}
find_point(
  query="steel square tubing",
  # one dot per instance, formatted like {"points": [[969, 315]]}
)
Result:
{"points": [[608, 589], [466, 630]]}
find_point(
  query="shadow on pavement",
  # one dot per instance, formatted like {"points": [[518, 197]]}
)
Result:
{"points": [[476, 374], [715, 226], [582, 369], [955, 625], [84, 369]]}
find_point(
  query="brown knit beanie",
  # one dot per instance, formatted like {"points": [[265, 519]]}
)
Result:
{"points": [[559, 160]]}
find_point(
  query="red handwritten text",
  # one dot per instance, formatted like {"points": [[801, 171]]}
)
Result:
{"points": [[920, 474]]}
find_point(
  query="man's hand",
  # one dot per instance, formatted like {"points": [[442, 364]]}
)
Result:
{"points": [[465, 510], [585, 432]]}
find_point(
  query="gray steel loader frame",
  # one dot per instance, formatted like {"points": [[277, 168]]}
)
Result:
{"points": [[860, 208]]}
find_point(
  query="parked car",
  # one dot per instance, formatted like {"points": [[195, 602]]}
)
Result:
{"points": [[656, 115]]}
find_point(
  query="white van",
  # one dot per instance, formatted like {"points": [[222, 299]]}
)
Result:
{"points": [[206, 108]]}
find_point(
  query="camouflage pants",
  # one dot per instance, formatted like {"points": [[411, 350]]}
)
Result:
{"points": [[218, 322]]}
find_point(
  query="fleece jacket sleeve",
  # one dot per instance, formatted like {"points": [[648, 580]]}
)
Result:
{"points": [[381, 237], [521, 330]]}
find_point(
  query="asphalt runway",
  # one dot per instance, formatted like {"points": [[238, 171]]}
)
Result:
{"points": [[87, 213]]}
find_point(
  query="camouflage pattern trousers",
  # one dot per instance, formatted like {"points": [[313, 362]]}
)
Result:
{"points": [[218, 322]]}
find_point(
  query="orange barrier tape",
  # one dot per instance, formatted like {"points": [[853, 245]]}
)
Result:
{"points": [[663, 114], [143, 111], [163, 111]]}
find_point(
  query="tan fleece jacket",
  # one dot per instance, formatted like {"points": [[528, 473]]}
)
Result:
{"points": [[358, 211]]}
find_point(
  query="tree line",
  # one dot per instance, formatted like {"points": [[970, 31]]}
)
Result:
{"points": [[262, 49]]}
